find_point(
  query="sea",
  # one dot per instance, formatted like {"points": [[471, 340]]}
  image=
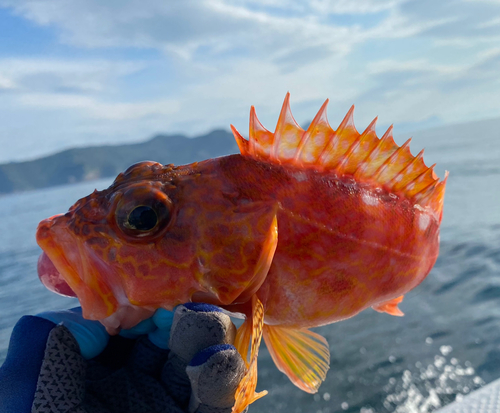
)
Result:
{"points": [[446, 346]]}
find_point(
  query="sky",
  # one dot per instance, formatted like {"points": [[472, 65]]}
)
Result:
{"points": [[89, 72]]}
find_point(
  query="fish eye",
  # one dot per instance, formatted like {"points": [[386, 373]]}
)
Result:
{"points": [[142, 218], [143, 214]]}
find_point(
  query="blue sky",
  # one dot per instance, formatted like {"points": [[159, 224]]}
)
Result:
{"points": [[86, 72]]}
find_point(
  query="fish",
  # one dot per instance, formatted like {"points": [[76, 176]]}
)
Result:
{"points": [[303, 228]]}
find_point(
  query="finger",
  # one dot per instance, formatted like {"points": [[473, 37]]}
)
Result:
{"points": [[90, 335], [215, 373], [194, 328], [163, 318], [163, 321], [144, 327]]}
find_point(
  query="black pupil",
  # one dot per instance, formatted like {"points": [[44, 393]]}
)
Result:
{"points": [[143, 218]]}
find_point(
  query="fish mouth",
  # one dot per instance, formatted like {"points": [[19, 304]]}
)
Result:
{"points": [[63, 263], [51, 278], [69, 267]]}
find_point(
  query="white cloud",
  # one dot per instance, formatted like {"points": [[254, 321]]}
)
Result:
{"points": [[496, 2], [408, 61], [6, 82], [214, 26], [495, 22], [324, 7], [421, 65], [100, 110], [353, 7], [50, 74], [465, 18]]}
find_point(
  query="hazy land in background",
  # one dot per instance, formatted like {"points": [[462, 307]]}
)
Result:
{"points": [[97, 162]]}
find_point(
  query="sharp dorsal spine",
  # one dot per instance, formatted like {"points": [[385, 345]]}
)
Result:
{"points": [[345, 152]]}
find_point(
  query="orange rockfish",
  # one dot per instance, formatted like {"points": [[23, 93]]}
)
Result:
{"points": [[302, 229]]}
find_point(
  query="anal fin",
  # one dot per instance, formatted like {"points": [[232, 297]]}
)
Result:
{"points": [[302, 355], [390, 307], [242, 340], [245, 393]]}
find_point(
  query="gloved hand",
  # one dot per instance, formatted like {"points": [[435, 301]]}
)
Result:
{"points": [[60, 362]]}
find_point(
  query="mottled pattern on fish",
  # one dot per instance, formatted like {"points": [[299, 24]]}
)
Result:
{"points": [[314, 226]]}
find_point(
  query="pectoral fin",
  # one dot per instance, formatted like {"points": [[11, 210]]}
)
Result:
{"points": [[302, 355], [245, 393], [390, 307], [235, 257], [264, 261]]}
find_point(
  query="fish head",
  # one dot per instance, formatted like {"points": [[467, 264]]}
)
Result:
{"points": [[119, 250], [159, 236]]}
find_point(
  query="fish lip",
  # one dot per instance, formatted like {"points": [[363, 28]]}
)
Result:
{"points": [[49, 275], [55, 228], [78, 264], [64, 250]]}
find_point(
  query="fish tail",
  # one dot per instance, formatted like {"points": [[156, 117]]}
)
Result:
{"points": [[301, 354], [251, 328]]}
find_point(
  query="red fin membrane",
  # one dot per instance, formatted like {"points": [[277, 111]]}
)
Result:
{"points": [[245, 393], [345, 152], [390, 307]]}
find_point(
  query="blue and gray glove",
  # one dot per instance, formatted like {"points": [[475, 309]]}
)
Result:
{"points": [[182, 362]]}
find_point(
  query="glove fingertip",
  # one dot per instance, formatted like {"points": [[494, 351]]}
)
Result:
{"points": [[144, 327], [203, 308], [215, 373], [203, 356], [92, 343], [163, 318]]}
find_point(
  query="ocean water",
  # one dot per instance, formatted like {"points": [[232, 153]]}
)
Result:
{"points": [[447, 345]]}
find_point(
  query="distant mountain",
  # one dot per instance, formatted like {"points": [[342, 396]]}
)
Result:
{"points": [[79, 164]]}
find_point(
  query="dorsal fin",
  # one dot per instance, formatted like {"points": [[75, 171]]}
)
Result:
{"points": [[345, 152]]}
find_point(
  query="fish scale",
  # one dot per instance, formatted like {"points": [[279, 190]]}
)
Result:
{"points": [[303, 228]]}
